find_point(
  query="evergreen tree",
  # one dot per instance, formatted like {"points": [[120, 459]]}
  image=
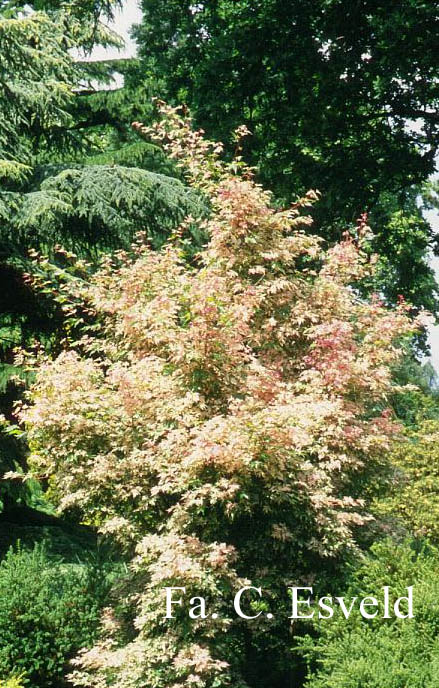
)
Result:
{"points": [[65, 178], [56, 184]]}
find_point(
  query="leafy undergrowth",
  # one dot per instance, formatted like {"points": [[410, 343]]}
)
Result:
{"points": [[50, 606]]}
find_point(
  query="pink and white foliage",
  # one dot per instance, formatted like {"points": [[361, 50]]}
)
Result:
{"points": [[250, 389]]}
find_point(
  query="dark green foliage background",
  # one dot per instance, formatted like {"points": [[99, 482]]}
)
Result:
{"points": [[49, 609], [328, 88]]}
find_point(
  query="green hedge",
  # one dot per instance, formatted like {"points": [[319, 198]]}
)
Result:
{"points": [[379, 653], [48, 610]]}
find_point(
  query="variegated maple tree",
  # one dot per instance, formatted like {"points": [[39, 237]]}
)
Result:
{"points": [[223, 415]]}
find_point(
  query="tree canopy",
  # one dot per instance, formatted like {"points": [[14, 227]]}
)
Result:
{"points": [[340, 96]]}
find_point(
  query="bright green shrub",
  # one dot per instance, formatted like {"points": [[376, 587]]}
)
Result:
{"points": [[13, 682], [413, 497], [378, 653], [48, 610]]}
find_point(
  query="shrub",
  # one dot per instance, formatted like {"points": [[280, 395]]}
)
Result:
{"points": [[413, 499], [13, 682], [380, 653], [48, 611]]}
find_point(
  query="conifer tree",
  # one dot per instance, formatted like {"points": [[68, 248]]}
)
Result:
{"points": [[58, 182], [53, 189]]}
